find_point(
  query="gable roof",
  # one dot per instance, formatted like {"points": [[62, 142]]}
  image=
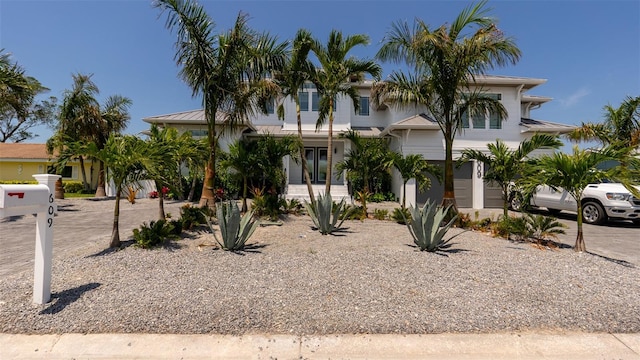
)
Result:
{"points": [[24, 151], [532, 125], [420, 121]]}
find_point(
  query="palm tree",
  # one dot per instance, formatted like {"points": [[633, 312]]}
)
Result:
{"points": [[503, 164], [227, 69], [573, 172], [335, 77], [291, 80], [114, 117], [126, 157], [414, 166], [165, 141], [239, 159], [367, 158], [445, 63], [621, 126], [78, 118]]}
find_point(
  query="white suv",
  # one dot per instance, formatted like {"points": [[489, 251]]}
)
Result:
{"points": [[599, 202]]}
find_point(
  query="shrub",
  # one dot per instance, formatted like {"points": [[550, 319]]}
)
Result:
{"points": [[293, 206], [377, 197], [425, 226], [512, 227], [191, 216], [380, 214], [327, 216], [235, 229], [544, 227], [401, 215], [266, 204], [153, 234], [177, 227], [75, 187], [353, 212]]}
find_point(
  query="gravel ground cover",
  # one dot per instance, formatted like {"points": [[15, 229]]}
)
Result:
{"points": [[292, 280]]}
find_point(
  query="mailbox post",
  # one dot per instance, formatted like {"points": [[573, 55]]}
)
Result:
{"points": [[35, 199]]}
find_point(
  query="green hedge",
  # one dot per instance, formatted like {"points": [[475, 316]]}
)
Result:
{"points": [[19, 182]]}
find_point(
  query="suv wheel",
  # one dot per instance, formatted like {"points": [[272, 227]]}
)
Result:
{"points": [[593, 213]]}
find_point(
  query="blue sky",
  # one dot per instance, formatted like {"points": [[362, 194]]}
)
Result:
{"points": [[589, 51]]}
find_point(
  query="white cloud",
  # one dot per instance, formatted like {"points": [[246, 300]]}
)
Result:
{"points": [[575, 97]]}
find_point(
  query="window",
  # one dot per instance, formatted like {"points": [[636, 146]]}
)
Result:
{"points": [[364, 106], [304, 100], [67, 172], [465, 120], [494, 120], [478, 121], [199, 133], [315, 101], [271, 106]]}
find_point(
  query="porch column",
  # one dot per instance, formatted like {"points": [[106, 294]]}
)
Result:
{"points": [[477, 184]]}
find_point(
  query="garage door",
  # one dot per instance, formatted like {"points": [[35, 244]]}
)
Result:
{"points": [[461, 184], [492, 195]]}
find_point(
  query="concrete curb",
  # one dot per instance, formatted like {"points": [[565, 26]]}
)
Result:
{"points": [[436, 346]]}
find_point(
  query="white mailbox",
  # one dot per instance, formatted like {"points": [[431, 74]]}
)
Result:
{"points": [[23, 199], [35, 199]]}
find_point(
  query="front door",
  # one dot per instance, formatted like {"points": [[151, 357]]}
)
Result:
{"points": [[317, 164]]}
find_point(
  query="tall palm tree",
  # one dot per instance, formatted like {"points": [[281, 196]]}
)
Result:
{"points": [[335, 78], [414, 166], [573, 172], [503, 164], [78, 119], [291, 80], [227, 69], [445, 62], [620, 126]]}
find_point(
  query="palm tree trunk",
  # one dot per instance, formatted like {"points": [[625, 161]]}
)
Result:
{"points": [[208, 197], [100, 190], [449, 197], [59, 189], [580, 245], [115, 233], [85, 184], [327, 188], [192, 191], [161, 214], [404, 194], [305, 168], [244, 194], [505, 201]]}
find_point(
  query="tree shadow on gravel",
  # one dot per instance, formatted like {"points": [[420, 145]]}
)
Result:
{"points": [[123, 245], [615, 261], [249, 249], [11, 218], [444, 250], [67, 207], [67, 297]]}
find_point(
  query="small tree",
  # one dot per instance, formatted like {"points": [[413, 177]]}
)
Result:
{"points": [[503, 164], [573, 172], [368, 158], [126, 157], [414, 166]]}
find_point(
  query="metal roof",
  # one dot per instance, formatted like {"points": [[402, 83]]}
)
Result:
{"points": [[545, 126]]}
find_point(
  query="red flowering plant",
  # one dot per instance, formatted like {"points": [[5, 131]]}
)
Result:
{"points": [[153, 194], [219, 194]]}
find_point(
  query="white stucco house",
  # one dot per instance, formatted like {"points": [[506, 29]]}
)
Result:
{"points": [[410, 132]]}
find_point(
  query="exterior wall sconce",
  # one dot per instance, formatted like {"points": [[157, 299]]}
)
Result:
{"points": [[335, 150]]}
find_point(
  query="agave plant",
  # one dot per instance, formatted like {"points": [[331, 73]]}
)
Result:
{"points": [[425, 226], [235, 229], [327, 216]]}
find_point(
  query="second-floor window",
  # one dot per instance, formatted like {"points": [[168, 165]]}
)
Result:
{"points": [[303, 96], [271, 106], [479, 121], [364, 106]]}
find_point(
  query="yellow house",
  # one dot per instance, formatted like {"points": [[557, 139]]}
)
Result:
{"points": [[19, 161]]}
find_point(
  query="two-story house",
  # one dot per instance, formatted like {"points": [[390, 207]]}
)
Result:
{"points": [[410, 131]]}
